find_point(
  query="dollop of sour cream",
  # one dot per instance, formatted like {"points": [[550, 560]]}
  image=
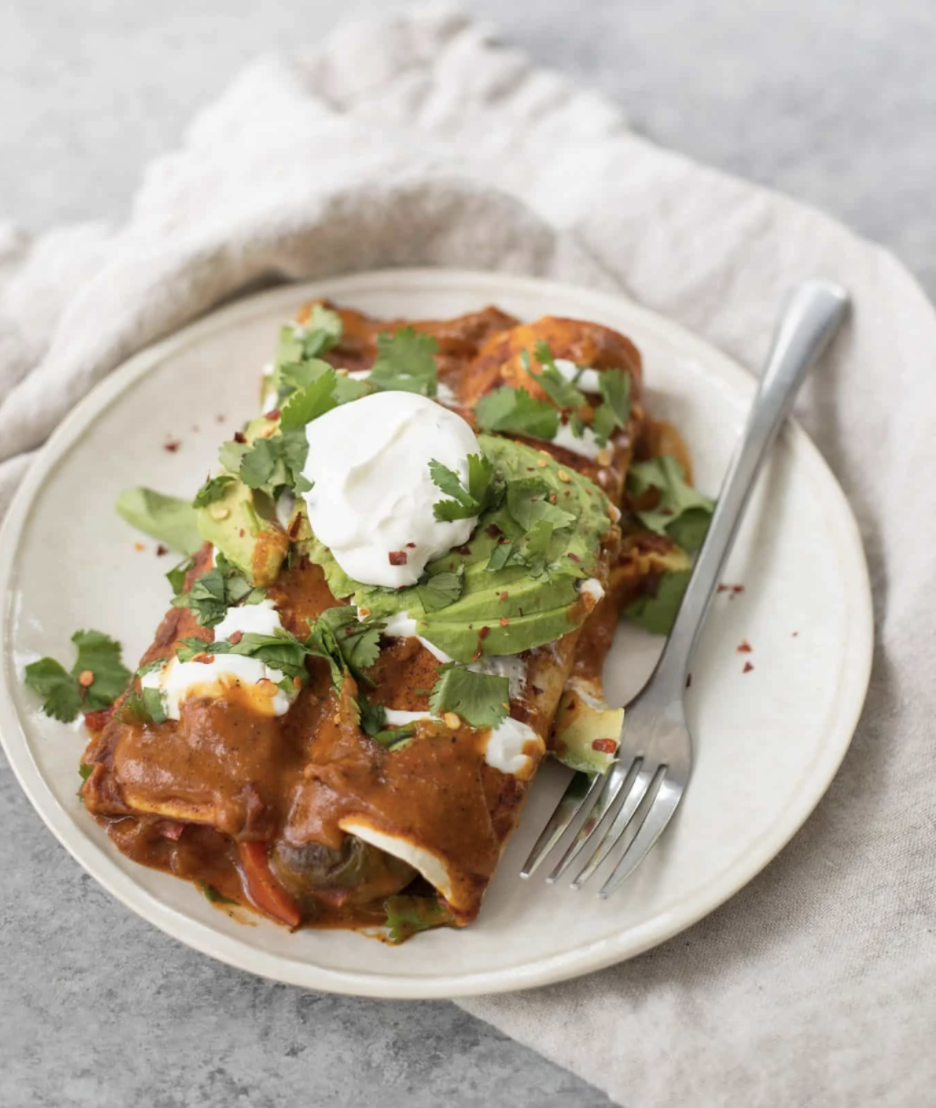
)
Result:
{"points": [[177, 681], [372, 494]]}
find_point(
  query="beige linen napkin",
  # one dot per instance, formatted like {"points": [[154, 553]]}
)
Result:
{"points": [[817, 984]]}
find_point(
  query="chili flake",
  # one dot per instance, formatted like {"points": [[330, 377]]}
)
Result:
{"points": [[745, 647], [605, 746], [172, 446], [747, 667], [397, 557], [86, 678]]}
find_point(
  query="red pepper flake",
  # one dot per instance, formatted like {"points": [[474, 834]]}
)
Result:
{"points": [[160, 550], [466, 549], [241, 532], [795, 633], [605, 746], [172, 445], [493, 530], [745, 647], [574, 557], [220, 418], [502, 595], [553, 498], [240, 437], [397, 557], [483, 632], [666, 511], [273, 413], [732, 589], [205, 659], [86, 678], [139, 546], [236, 637], [411, 546], [504, 621], [747, 667]]}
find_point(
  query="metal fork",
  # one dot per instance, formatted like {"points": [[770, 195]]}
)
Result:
{"points": [[636, 799]]}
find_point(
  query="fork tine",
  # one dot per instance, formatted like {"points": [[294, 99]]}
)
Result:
{"points": [[611, 787], [579, 796], [639, 790], [660, 813]]}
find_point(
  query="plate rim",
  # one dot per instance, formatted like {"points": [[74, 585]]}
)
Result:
{"points": [[596, 955]]}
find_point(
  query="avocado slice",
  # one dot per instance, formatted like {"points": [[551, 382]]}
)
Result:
{"points": [[586, 732], [242, 525], [507, 610]]}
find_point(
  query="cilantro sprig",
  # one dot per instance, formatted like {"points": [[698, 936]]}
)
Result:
{"points": [[216, 590], [213, 489], [681, 512], [516, 412], [481, 699], [94, 682], [464, 503], [345, 642], [406, 363]]}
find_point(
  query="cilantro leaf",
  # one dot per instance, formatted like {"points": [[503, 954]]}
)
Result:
{"points": [[275, 463], [85, 770], [614, 410], [345, 642], [407, 915], [441, 589], [60, 691], [481, 699], [465, 503], [213, 489], [311, 401], [231, 455], [406, 363], [299, 341], [615, 386], [176, 576], [66, 694], [528, 502], [516, 412], [350, 388], [681, 512], [216, 590], [259, 464], [564, 394], [100, 655], [657, 612], [170, 519]]}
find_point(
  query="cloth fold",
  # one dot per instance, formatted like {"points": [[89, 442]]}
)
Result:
{"points": [[421, 140]]}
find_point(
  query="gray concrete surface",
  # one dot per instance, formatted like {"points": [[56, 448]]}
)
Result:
{"points": [[833, 101]]}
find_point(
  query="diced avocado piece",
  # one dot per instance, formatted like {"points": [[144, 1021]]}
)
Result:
{"points": [[586, 732], [242, 525], [169, 519]]}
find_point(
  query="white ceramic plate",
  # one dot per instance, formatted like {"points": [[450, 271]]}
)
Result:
{"points": [[767, 742]]}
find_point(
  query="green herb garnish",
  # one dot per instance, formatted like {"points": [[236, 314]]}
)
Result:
{"points": [[213, 489], [516, 412], [481, 699], [169, 519], [406, 363], [681, 512], [221, 587], [464, 503], [95, 681], [441, 589]]}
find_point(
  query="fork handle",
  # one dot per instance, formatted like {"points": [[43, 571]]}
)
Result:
{"points": [[813, 315]]}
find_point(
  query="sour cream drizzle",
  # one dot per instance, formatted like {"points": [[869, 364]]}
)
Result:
{"points": [[177, 681]]}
